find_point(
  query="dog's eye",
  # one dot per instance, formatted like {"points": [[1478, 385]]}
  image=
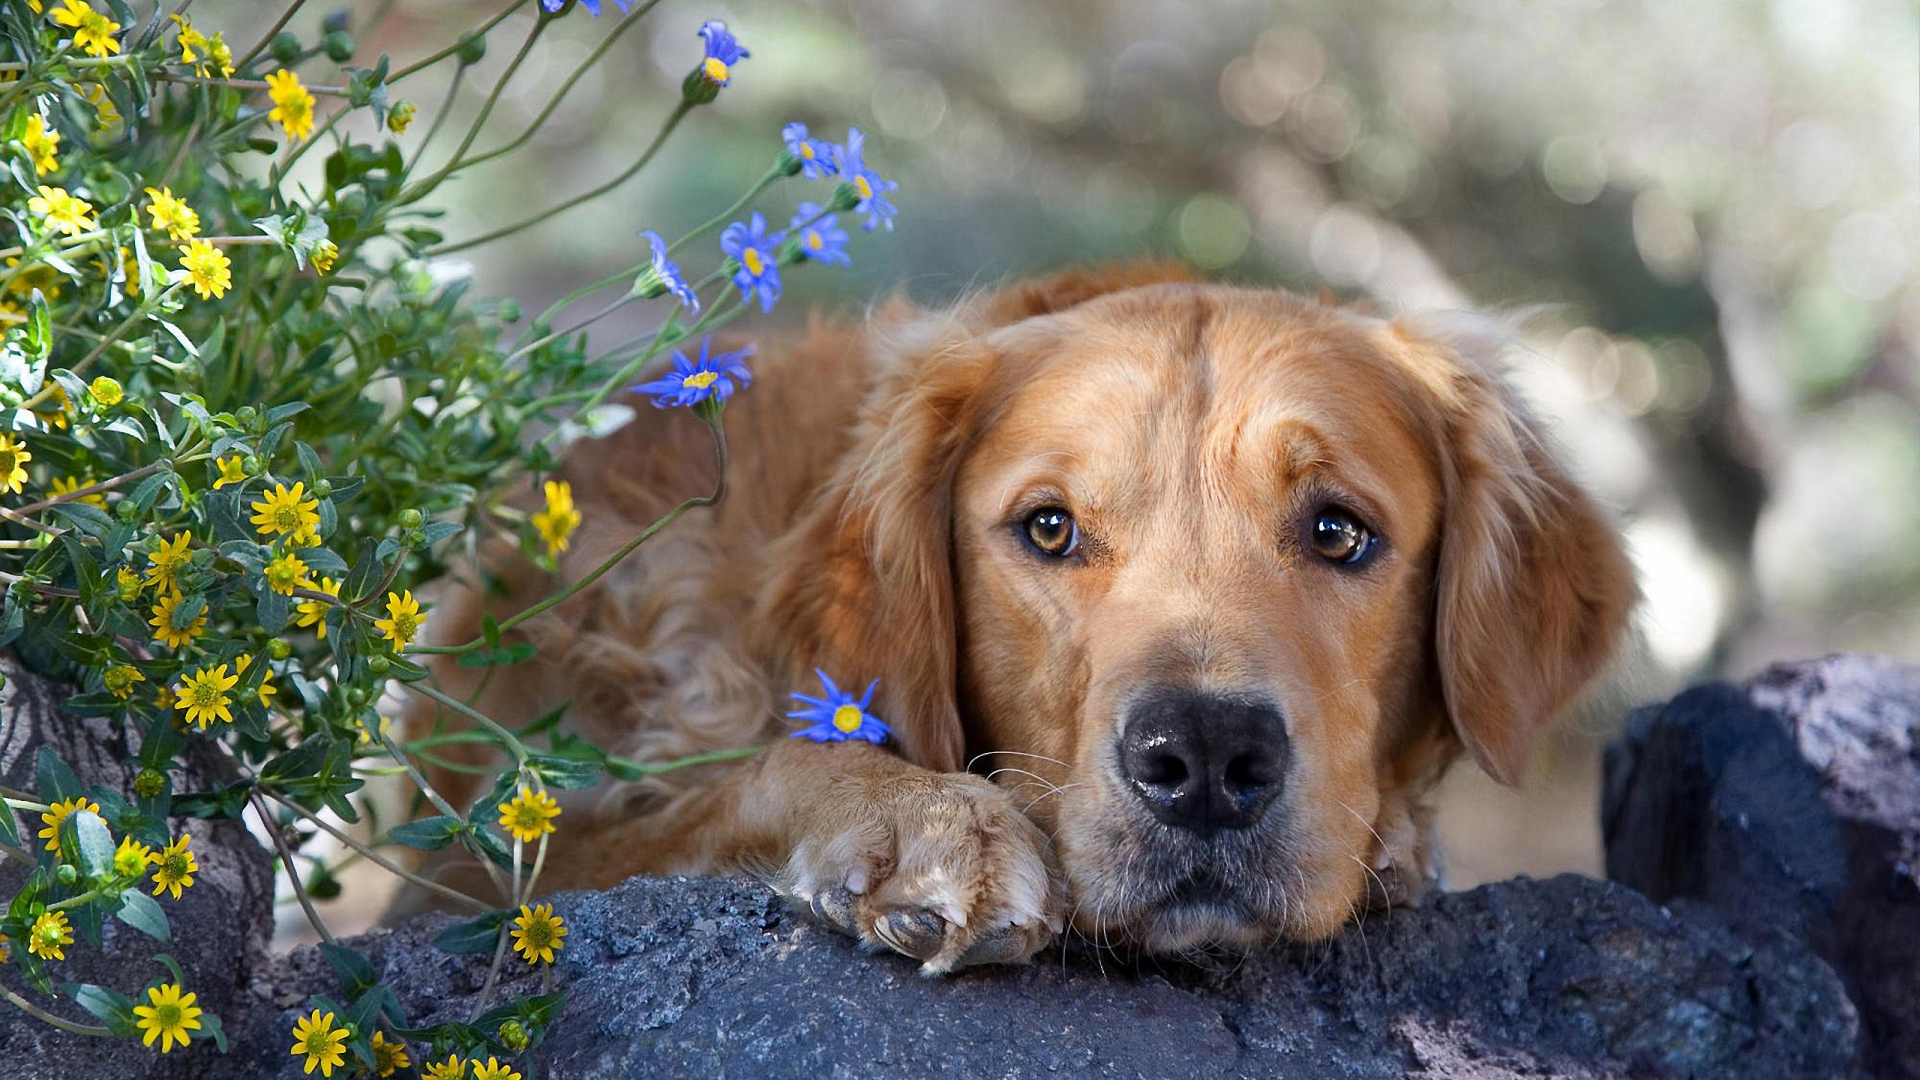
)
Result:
{"points": [[1340, 538], [1051, 531]]}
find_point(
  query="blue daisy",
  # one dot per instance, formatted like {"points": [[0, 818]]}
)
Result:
{"points": [[756, 253], [814, 155], [838, 717], [723, 51], [693, 381], [663, 277], [867, 184], [592, 6], [822, 241]]}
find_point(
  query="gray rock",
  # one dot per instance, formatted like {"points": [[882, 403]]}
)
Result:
{"points": [[221, 925], [1791, 802], [1568, 977]]}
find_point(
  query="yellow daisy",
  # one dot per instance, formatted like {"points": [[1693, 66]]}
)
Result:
{"points": [[50, 936], [162, 622], [120, 678], [43, 143], [538, 933], [127, 584], [174, 867], [529, 815], [403, 619], [106, 389], [388, 1057], [131, 858], [325, 254], [172, 215], [322, 1044], [219, 57], [208, 269], [285, 572], [292, 105], [267, 689], [57, 813], [285, 511], [493, 1070], [13, 465], [314, 612], [231, 471], [556, 523], [169, 1016], [63, 211], [164, 565], [192, 44], [451, 1069], [92, 32], [67, 485], [203, 695]]}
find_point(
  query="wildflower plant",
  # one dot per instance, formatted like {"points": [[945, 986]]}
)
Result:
{"points": [[245, 421]]}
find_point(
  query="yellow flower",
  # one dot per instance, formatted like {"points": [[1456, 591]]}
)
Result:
{"points": [[163, 566], [174, 867], [131, 858], [120, 678], [267, 689], [219, 57], [42, 143], [172, 215], [57, 813], [284, 511], [316, 1039], [105, 111], [314, 612], [13, 465], [556, 523], [162, 622], [529, 815], [67, 485], [400, 116], [127, 584], [168, 1017], [203, 695], [388, 1057], [537, 933], [231, 471], [64, 212], [50, 936], [403, 619], [54, 412], [92, 31], [493, 1070], [106, 390], [208, 269], [285, 572], [292, 105], [192, 44], [451, 1069], [325, 253]]}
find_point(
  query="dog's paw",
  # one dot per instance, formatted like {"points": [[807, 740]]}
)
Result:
{"points": [[941, 867]]}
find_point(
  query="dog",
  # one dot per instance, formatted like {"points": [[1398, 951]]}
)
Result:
{"points": [[1180, 598]]}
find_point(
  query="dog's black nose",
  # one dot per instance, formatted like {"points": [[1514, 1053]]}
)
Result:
{"points": [[1204, 762]]}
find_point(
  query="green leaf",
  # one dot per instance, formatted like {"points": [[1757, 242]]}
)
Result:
{"points": [[89, 519], [283, 412], [479, 935], [57, 782], [210, 1026], [427, 834], [566, 772], [86, 842], [139, 911], [111, 1006], [356, 974]]}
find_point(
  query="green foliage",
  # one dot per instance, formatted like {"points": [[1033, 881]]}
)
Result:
{"points": [[243, 415]]}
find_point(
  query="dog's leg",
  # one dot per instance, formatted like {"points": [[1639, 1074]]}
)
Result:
{"points": [[942, 867]]}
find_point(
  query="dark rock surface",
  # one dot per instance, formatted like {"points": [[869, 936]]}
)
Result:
{"points": [[1562, 978], [221, 925], [1791, 802]]}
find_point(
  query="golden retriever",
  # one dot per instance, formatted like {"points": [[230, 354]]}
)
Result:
{"points": [[1181, 597]]}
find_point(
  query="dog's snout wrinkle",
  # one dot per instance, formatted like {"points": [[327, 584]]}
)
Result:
{"points": [[1204, 762]]}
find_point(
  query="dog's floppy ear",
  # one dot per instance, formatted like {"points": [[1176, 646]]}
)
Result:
{"points": [[1534, 588]]}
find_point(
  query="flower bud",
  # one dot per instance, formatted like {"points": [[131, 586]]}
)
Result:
{"points": [[379, 665], [279, 649], [473, 48], [244, 415], [250, 465], [400, 116], [339, 46], [106, 390], [410, 518], [322, 488], [286, 47], [337, 20], [513, 1036], [509, 310], [65, 874], [697, 89], [150, 783], [357, 696], [127, 511]]}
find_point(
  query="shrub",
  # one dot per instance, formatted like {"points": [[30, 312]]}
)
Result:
{"points": [[241, 421]]}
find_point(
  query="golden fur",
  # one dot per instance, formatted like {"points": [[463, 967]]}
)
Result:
{"points": [[876, 476]]}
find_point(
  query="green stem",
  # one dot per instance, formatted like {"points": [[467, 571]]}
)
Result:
{"points": [[726, 215], [266, 39], [512, 744], [570, 331], [374, 857], [418, 191], [38, 1013], [435, 58], [660, 138], [287, 860]]}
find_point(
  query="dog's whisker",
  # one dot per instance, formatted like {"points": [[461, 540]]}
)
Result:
{"points": [[975, 760]]}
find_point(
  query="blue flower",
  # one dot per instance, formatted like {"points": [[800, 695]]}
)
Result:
{"points": [[693, 381], [662, 277], [868, 186], [592, 6], [814, 155], [754, 250], [838, 717], [723, 51], [824, 240]]}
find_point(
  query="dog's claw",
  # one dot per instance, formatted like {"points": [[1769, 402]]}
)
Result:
{"points": [[918, 933], [836, 906]]}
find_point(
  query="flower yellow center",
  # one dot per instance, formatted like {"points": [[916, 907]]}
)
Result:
{"points": [[806, 150], [814, 241], [167, 1015], [204, 695], [750, 258], [406, 624], [847, 718], [861, 185], [701, 380], [174, 865], [539, 933], [715, 69], [286, 517]]}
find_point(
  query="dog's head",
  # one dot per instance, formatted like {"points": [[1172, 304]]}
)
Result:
{"points": [[1207, 575]]}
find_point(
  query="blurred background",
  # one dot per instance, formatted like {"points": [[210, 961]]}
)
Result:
{"points": [[1717, 201]]}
